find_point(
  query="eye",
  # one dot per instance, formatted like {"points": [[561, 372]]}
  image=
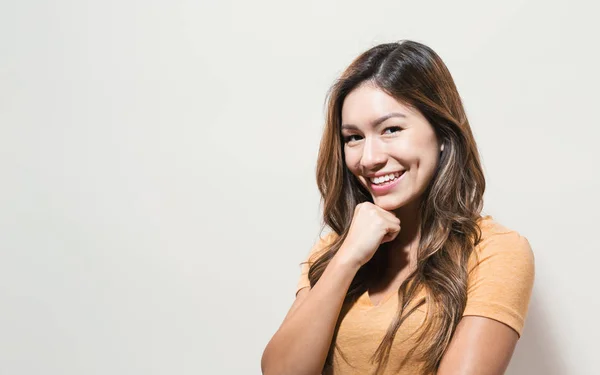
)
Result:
{"points": [[393, 127], [349, 138]]}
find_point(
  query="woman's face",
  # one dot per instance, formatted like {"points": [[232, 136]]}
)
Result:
{"points": [[383, 136]]}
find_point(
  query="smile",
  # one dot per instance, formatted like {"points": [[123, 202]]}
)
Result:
{"points": [[385, 183]]}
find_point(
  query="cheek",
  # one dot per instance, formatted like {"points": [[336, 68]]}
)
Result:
{"points": [[350, 160], [425, 150], [428, 163], [352, 163]]}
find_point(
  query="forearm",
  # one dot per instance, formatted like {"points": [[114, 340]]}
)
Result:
{"points": [[301, 344]]}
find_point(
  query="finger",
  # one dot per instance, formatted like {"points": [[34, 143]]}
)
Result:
{"points": [[388, 214], [394, 231]]}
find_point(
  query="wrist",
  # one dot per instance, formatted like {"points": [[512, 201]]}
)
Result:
{"points": [[342, 260]]}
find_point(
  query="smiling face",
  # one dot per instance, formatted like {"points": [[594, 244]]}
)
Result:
{"points": [[382, 136]]}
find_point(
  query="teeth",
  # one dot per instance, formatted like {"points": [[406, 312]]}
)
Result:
{"points": [[387, 177]]}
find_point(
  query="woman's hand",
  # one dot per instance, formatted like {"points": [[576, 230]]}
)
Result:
{"points": [[371, 226]]}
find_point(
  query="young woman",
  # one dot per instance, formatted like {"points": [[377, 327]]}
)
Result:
{"points": [[411, 279]]}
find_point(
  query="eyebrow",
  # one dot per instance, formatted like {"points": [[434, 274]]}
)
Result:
{"points": [[376, 122]]}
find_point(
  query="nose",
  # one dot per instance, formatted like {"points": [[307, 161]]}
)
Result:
{"points": [[373, 156]]}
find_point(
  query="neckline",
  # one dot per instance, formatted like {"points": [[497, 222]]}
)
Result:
{"points": [[386, 298], [365, 298]]}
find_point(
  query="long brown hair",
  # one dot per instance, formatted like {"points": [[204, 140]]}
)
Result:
{"points": [[450, 206]]}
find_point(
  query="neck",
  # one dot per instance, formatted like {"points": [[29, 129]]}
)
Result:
{"points": [[403, 249]]}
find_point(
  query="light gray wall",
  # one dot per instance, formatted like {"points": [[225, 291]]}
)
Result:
{"points": [[157, 164]]}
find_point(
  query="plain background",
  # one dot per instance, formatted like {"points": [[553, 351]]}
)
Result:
{"points": [[157, 165]]}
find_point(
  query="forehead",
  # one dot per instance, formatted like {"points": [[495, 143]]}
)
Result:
{"points": [[367, 102]]}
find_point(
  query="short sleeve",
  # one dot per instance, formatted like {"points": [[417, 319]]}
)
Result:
{"points": [[501, 280], [313, 255]]}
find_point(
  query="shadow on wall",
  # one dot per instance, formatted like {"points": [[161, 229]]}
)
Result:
{"points": [[537, 352]]}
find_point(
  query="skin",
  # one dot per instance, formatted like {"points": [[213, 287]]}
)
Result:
{"points": [[408, 142]]}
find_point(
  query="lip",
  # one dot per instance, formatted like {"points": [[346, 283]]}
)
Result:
{"points": [[386, 188], [384, 174]]}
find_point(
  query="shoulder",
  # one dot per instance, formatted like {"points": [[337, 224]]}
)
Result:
{"points": [[501, 275], [321, 246], [500, 242]]}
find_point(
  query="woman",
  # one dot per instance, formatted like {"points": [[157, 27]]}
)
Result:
{"points": [[412, 279]]}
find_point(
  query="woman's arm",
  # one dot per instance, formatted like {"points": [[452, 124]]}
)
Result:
{"points": [[498, 295], [479, 346], [300, 345]]}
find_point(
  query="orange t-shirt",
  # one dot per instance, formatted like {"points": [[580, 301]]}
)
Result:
{"points": [[499, 288]]}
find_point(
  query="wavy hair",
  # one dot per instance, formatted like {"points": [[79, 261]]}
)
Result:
{"points": [[449, 209]]}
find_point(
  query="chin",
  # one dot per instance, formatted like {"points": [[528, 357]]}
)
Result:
{"points": [[388, 203]]}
